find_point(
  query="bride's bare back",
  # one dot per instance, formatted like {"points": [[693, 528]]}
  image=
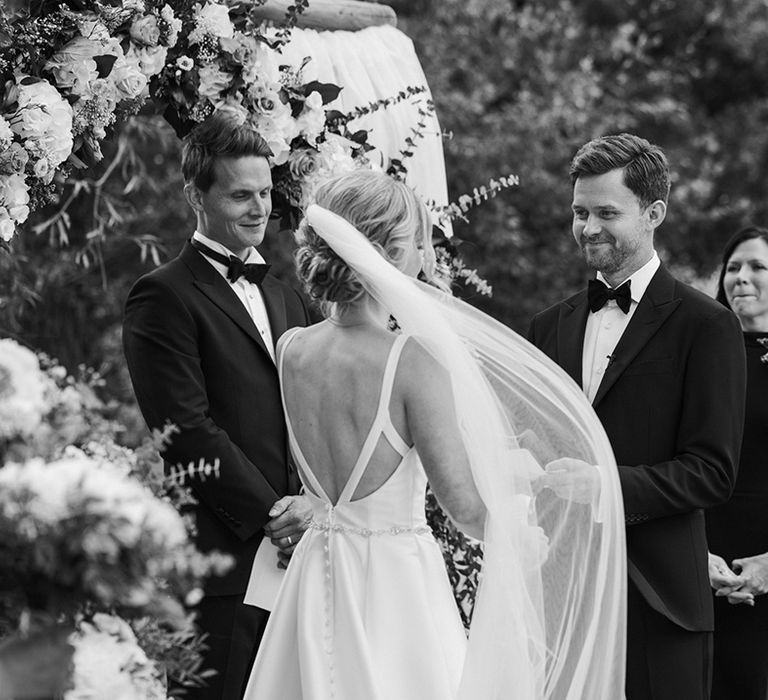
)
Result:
{"points": [[332, 381]]}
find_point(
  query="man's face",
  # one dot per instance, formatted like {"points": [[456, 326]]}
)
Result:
{"points": [[614, 232], [235, 209]]}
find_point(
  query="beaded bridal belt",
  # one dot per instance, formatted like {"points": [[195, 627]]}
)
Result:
{"points": [[368, 532]]}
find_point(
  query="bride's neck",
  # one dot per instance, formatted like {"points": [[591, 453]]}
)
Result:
{"points": [[366, 312]]}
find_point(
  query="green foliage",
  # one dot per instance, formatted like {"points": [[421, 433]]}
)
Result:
{"points": [[522, 85]]}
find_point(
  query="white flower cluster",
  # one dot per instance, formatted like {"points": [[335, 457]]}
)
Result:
{"points": [[109, 663], [124, 509], [310, 166], [90, 77], [262, 98], [25, 390]]}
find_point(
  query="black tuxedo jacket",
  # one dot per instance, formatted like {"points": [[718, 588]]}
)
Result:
{"points": [[672, 404], [197, 360]]}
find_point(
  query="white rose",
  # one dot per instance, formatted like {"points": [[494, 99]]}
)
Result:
{"points": [[43, 120], [213, 82], [14, 196], [7, 228], [73, 66], [151, 59], [128, 80], [235, 109], [145, 31], [5, 130]]}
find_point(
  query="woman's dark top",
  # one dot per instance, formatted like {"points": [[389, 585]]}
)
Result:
{"points": [[739, 528]]}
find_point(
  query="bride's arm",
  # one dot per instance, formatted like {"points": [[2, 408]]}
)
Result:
{"points": [[431, 420]]}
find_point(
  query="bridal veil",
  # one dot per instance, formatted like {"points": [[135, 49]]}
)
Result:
{"points": [[549, 619]]}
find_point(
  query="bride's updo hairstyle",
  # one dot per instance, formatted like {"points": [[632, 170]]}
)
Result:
{"points": [[386, 211]]}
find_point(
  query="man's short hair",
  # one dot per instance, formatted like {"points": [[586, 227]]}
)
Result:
{"points": [[221, 135], [646, 170]]}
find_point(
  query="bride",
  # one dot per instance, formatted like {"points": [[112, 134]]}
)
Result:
{"points": [[510, 447]]}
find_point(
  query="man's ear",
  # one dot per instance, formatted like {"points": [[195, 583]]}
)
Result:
{"points": [[194, 196], [657, 211]]}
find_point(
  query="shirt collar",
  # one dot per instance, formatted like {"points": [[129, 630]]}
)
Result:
{"points": [[252, 256], [640, 278]]}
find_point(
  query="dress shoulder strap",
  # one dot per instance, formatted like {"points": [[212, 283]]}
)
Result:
{"points": [[380, 421]]}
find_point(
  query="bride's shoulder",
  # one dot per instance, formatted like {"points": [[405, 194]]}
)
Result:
{"points": [[418, 360]]}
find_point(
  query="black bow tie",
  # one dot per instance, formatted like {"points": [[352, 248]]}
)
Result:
{"points": [[236, 268], [599, 294]]}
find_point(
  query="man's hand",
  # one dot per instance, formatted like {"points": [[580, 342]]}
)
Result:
{"points": [[290, 517], [572, 479], [754, 570], [728, 583]]}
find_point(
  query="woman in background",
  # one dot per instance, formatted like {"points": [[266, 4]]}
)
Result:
{"points": [[738, 530]]}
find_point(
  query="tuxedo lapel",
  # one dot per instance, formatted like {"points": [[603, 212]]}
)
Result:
{"points": [[654, 309], [570, 335], [216, 289]]}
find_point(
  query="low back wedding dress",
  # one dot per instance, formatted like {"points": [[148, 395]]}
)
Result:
{"points": [[366, 611]]}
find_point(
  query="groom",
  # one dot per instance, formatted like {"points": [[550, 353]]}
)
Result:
{"points": [[664, 368], [199, 337]]}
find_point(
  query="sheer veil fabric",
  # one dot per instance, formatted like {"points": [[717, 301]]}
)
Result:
{"points": [[549, 620]]}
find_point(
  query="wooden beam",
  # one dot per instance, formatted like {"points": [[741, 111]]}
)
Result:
{"points": [[349, 15]]}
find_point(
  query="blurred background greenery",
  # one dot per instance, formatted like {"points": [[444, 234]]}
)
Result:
{"points": [[520, 85]]}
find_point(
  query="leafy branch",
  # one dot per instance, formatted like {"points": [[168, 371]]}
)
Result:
{"points": [[465, 202]]}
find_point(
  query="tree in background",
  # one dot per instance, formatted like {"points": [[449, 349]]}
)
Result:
{"points": [[522, 85]]}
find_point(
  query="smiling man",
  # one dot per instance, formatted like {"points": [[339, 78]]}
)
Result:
{"points": [[664, 368], [199, 337]]}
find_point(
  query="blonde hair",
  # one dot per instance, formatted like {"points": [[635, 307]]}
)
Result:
{"points": [[386, 211]]}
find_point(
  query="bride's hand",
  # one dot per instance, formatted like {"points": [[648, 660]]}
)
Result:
{"points": [[572, 479], [290, 517]]}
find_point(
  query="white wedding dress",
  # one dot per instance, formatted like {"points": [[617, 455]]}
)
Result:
{"points": [[366, 611]]}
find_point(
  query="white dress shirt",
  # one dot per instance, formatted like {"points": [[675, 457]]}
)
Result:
{"points": [[247, 292], [606, 326]]}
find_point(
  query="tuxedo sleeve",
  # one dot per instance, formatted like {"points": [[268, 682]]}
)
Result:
{"points": [[162, 351], [703, 469]]}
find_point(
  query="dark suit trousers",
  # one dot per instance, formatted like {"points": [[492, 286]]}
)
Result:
{"points": [[234, 631], [664, 661]]}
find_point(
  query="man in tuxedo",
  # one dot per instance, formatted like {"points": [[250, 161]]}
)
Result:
{"points": [[664, 368], [199, 337]]}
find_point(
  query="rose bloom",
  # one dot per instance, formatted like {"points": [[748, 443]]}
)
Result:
{"points": [[7, 229], [145, 31], [234, 109], [302, 162], [212, 20], [128, 79], [151, 59], [5, 130], [13, 160], [213, 82], [73, 66], [43, 120], [14, 196]]}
